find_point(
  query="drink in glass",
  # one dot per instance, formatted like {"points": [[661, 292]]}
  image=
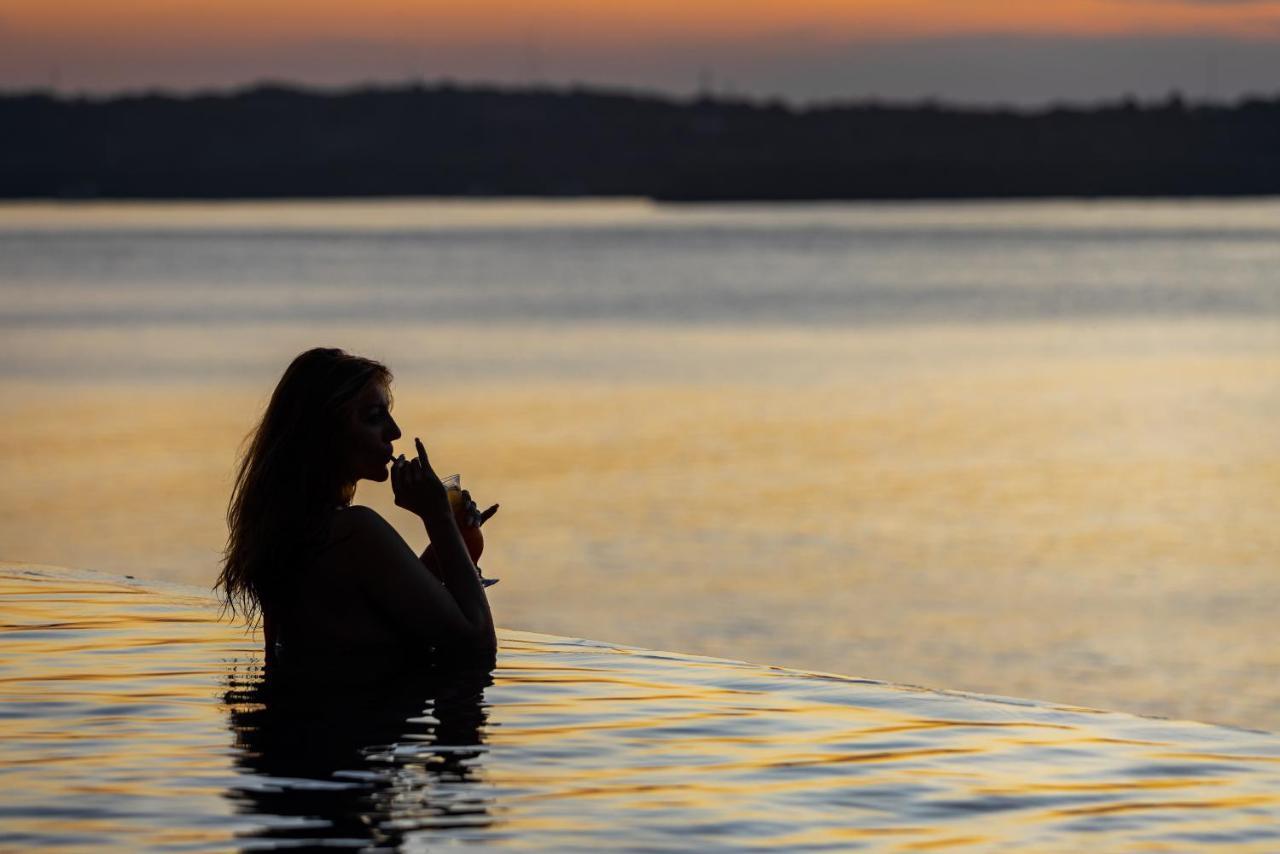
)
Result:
{"points": [[471, 536]]}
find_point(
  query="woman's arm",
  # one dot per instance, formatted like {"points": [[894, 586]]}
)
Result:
{"points": [[418, 489], [428, 558], [457, 572], [415, 603], [466, 517]]}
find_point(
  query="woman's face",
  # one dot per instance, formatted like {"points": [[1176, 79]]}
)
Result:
{"points": [[372, 430]]}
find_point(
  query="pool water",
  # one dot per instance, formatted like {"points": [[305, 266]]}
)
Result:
{"points": [[134, 719]]}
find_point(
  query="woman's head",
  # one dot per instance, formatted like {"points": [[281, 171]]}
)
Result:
{"points": [[370, 430], [329, 421], [328, 425]]}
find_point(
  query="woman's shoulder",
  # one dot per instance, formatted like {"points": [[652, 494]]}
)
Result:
{"points": [[357, 515], [358, 524]]}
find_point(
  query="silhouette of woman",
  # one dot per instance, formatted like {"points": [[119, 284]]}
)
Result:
{"points": [[339, 592]]}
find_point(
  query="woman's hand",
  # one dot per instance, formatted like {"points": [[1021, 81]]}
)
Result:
{"points": [[468, 514], [469, 519], [417, 488]]}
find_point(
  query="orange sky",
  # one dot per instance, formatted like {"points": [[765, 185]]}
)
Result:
{"points": [[557, 21], [979, 50]]}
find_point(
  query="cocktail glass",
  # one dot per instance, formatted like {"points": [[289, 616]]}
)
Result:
{"points": [[471, 536]]}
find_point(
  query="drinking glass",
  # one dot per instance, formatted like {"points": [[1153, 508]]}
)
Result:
{"points": [[453, 486]]}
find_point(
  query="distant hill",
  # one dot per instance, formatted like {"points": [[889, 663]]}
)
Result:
{"points": [[474, 141]]}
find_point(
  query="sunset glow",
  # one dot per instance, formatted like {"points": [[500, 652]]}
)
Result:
{"points": [[984, 51], [571, 22]]}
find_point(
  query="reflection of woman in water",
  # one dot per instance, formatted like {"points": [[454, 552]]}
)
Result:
{"points": [[338, 590], [393, 760]]}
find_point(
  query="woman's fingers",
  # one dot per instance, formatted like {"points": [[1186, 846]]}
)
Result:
{"points": [[488, 514], [397, 468], [422, 455], [407, 472], [466, 512]]}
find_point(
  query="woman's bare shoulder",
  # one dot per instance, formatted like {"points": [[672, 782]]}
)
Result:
{"points": [[361, 523], [393, 579], [362, 535], [359, 532]]}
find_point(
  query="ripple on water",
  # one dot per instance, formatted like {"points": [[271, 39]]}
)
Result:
{"points": [[134, 719]]}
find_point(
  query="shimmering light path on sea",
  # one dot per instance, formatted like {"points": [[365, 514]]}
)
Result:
{"points": [[133, 719]]}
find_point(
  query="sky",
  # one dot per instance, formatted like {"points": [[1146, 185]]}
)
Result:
{"points": [[979, 51]]}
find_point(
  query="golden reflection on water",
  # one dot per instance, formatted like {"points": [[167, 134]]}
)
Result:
{"points": [[1078, 513], [112, 739]]}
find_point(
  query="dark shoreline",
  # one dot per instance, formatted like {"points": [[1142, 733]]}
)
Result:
{"points": [[481, 142]]}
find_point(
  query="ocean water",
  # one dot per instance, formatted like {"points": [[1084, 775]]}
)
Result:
{"points": [[1016, 448], [134, 720]]}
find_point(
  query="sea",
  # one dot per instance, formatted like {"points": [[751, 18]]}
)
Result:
{"points": [[1020, 448]]}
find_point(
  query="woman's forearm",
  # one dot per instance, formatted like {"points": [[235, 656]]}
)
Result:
{"points": [[431, 562], [458, 573]]}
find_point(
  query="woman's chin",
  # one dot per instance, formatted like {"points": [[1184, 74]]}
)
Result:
{"points": [[379, 474]]}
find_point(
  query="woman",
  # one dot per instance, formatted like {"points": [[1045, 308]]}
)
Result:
{"points": [[336, 587]]}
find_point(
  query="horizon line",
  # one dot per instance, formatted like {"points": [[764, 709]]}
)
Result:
{"points": [[1174, 97]]}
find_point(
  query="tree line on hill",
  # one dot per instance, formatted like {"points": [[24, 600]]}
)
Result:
{"points": [[446, 140]]}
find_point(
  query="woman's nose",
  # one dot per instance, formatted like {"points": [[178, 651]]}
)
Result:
{"points": [[393, 429]]}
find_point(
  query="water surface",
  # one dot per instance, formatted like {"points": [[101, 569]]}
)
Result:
{"points": [[135, 266], [133, 720], [1023, 448]]}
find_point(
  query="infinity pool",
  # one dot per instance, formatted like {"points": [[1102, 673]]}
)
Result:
{"points": [[133, 719]]}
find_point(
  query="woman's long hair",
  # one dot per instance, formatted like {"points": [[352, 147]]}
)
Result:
{"points": [[290, 478]]}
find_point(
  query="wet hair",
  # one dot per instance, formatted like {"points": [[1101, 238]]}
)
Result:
{"points": [[290, 478]]}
